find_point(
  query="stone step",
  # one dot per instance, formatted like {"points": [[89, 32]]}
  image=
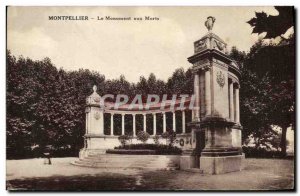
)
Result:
{"points": [[144, 167], [117, 158], [119, 161], [127, 161], [123, 156], [131, 167], [124, 160], [115, 162]]}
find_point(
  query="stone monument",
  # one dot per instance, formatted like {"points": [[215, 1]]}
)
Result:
{"points": [[216, 124], [214, 145]]}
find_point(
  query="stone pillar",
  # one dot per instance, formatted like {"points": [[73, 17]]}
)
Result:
{"points": [[164, 122], [111, 124], [86, 122], [207, 92], [89, 122], [237, 105], [231, 106], [197, 97], [144, 123], [95, 116], [154, 124], [133, 126], [183, 121], [174, 121], [123, 124]]}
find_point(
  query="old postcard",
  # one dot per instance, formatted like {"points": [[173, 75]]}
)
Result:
{"points": [[150, 98]]}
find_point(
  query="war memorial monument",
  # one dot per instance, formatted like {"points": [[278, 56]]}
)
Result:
{"points": [[214, 144]]}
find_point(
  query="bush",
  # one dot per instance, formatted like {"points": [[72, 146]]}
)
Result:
{"points": [[28, 153], [159, 149], [170, 136], [156, 139], [132, 152], [143, 136], [165, 135], [123, 139], [253, 152]]}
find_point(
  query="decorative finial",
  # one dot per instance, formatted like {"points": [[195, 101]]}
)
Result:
{"points": [[209, 23], [94, 88]]}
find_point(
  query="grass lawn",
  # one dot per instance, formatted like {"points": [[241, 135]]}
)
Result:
{"points": [[32, 174]]}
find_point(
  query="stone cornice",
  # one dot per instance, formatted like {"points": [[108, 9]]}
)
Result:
{"points": [[233, 77], [208, 54], [220, 64]]}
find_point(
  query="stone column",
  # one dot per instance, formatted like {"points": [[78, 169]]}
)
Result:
{"points": [[183, 121], [197, 96], [111, 124], [123, 124], [207, 92], [86, 123], [133, 126], [89, 122], [237, 105], [154, 124], [164, 122], [174, 121], [231, 107], [144, 123]]}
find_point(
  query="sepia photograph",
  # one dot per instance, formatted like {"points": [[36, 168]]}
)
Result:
{"points": [[150, 98]]}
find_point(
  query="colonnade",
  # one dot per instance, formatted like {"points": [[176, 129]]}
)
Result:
{"points": [[144, 122]]}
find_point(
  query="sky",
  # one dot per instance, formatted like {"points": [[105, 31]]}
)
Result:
{"points": [[129, 48]]}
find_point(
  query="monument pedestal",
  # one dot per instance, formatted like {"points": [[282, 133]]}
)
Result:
{"points": [[188, 160], [220, 155], [221, 165]]}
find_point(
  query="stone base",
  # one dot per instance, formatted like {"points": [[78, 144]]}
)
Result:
{"points": [[221, 165], [187, 162], [84, 152]]}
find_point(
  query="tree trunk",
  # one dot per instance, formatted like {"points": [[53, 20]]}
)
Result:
{"points": [[283, 141]]}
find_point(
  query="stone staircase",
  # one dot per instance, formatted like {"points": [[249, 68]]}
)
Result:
{"points": [[151, 162]]}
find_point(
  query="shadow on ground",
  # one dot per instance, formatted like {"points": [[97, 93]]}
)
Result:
{"points": [[74, 183], [259, 174]]}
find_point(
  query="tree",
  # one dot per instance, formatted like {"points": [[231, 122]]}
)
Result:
{"points": [[180, 82], [276, 62], [267, 89], [45, 106]]}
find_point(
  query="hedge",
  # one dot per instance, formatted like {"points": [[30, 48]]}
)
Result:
{"points": [[159, 149]]}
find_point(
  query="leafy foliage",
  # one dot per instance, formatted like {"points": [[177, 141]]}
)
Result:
{"points": [[258, 152], [143, 136], [170, 136], [124, 139], [159, 149], [267, 90], [156, 139], [273, 25]]}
